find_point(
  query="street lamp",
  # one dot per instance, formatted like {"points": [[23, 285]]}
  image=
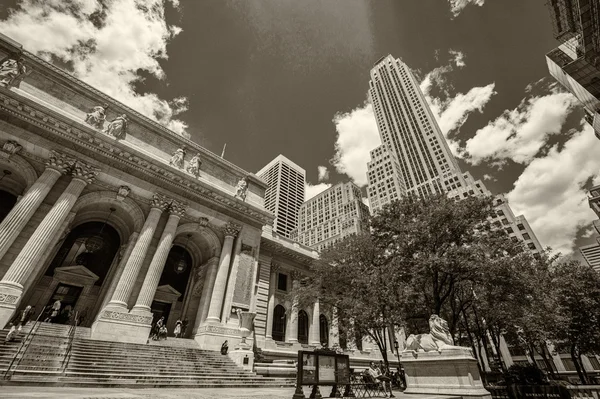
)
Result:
{"points": [[397, 347]]}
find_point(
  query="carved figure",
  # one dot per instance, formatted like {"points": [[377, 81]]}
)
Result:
{"points": [[439, 337], [123, 192], [241, 188], [117, 127], [97, 117], [12, 72], [194, 166], [178, 158], [11, 147]]}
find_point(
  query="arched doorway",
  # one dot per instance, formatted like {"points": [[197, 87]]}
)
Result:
{"points": [[323, 331], [7, 201], [82, 262], [279, 321], [172, 286], [302, 327]]}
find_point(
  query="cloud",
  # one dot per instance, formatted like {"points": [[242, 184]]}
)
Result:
{"points": [[357, 135], [489, 177], [323, 173], [312, 190], [590, 232], [550, 192], [519, 134], [456, 6], [106, 44]]}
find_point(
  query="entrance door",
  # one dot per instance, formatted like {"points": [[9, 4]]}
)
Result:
{"points": [[68, 296], [160, 309]]}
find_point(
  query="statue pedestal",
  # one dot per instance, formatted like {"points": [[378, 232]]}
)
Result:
{"points": [[449, 372], [244, 358]]}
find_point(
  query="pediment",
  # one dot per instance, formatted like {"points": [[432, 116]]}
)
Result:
{"points": [[167, 289], [75, 274]]}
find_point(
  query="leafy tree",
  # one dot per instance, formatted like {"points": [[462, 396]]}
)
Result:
{"points": [[577, 290]]}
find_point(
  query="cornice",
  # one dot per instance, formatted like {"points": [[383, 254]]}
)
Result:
{"points": [[279, 249], [129, 158], [42, 66]]}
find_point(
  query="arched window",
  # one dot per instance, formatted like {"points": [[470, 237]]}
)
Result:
{"points": [[324, 331], [279, 319], [302, 327]]}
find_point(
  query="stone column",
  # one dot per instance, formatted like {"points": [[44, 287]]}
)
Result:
{"points": [[271, 303], [230, 230], [209, 282], [123, 291], [334, 331], [231, 282], [293, 336], [315, 327], [12, 225], [148, 290], [38, 243]]}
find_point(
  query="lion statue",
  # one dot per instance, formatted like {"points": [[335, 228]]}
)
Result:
{"points": [[439, 337]]}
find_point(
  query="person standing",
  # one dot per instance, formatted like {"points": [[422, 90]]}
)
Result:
{"points": [[184, 326], [21, 320], [177, 330], [54, 311]]}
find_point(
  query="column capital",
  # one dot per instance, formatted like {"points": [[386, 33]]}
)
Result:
{"points": [[84, 171], [160, 201], [231, 229], [296, 275], [60, 162], [275, 266], [177, 208]]}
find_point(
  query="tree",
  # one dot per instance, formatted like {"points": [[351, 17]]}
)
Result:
{"points": [[361, 284], [577, 290]]}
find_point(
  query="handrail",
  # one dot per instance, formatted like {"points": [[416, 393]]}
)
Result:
{"points": [[70, 339], [24, 343]]}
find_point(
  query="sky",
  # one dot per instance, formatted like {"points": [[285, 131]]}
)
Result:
{"points": [[270, 77]]}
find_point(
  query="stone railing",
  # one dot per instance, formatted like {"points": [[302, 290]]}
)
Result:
{"points": [[575, 391], [585, 391]]}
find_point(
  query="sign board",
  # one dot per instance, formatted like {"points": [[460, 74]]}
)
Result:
{"points": [[323, 367]]}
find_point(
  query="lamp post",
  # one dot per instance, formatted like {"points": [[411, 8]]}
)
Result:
{"points": [[396, 346]]}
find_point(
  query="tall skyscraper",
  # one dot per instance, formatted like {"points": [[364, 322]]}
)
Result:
{"points": [[285, 193], [409, 129], [575, 64], [384, 177], [331, 215]]}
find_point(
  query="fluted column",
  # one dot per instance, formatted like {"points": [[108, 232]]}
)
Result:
{"points": [[271, 303], [232, 280], [230, 230], [144, 299], [12, 225], [315, 331], [209, 282], [134, 263], [38, 243], [293, 336]]}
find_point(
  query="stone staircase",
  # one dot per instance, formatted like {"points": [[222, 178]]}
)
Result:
{"points": [[111, 364]]}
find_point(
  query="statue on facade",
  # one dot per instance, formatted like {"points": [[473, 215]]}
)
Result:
{"points": [[439, 337], [12, 72], [241, 188], [117, 127], [97, 116], [194, 166], [178, 158]]}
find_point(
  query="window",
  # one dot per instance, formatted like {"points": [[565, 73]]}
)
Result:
{"points": [[509, 230], [324, 331], [594, 362], [526, 236], [531, 245], [282, 282], [302, 327], [520, 226], [279, 321], [568, 363]]}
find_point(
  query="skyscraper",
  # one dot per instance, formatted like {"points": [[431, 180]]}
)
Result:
{"points": [[575, 64], [409, 129], [384, 177], [331, 215], [285, 193], [591, 254]]}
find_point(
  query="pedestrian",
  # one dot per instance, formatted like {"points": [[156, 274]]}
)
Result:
{"points": [[162, 332], [54, 309], [177, 331], [224, 348], [18, 323], [157, 327], [184, 326]]}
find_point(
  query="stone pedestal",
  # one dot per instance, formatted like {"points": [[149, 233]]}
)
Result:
{"points": [[244, 358], [449, 372], [121, 326]]}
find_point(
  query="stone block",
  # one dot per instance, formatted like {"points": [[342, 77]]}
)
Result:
{"points": [[244, 358], [449, 372], [122, 326]]}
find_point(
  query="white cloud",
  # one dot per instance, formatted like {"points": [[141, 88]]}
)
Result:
{"points": [[519, 134], [357, 135], [107, 44], [489, 177], [312, 190], [550, 191], [456, 6], [323, 173], [590, 232]]}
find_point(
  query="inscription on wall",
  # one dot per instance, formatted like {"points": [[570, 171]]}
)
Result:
{"points": [[243, 282]]}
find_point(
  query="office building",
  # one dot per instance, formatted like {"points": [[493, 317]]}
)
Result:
{"points": [[575, 64], [384, 178], [331, 215], [285, 192], [591, 254]]}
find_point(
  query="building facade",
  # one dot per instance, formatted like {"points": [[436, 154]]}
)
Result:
{"points": [[331, 215], [591, 254], [285, 192], [385, 183], [575, 64]]}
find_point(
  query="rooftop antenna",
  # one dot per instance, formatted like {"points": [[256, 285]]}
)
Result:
{"points": [[223, 153]]}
